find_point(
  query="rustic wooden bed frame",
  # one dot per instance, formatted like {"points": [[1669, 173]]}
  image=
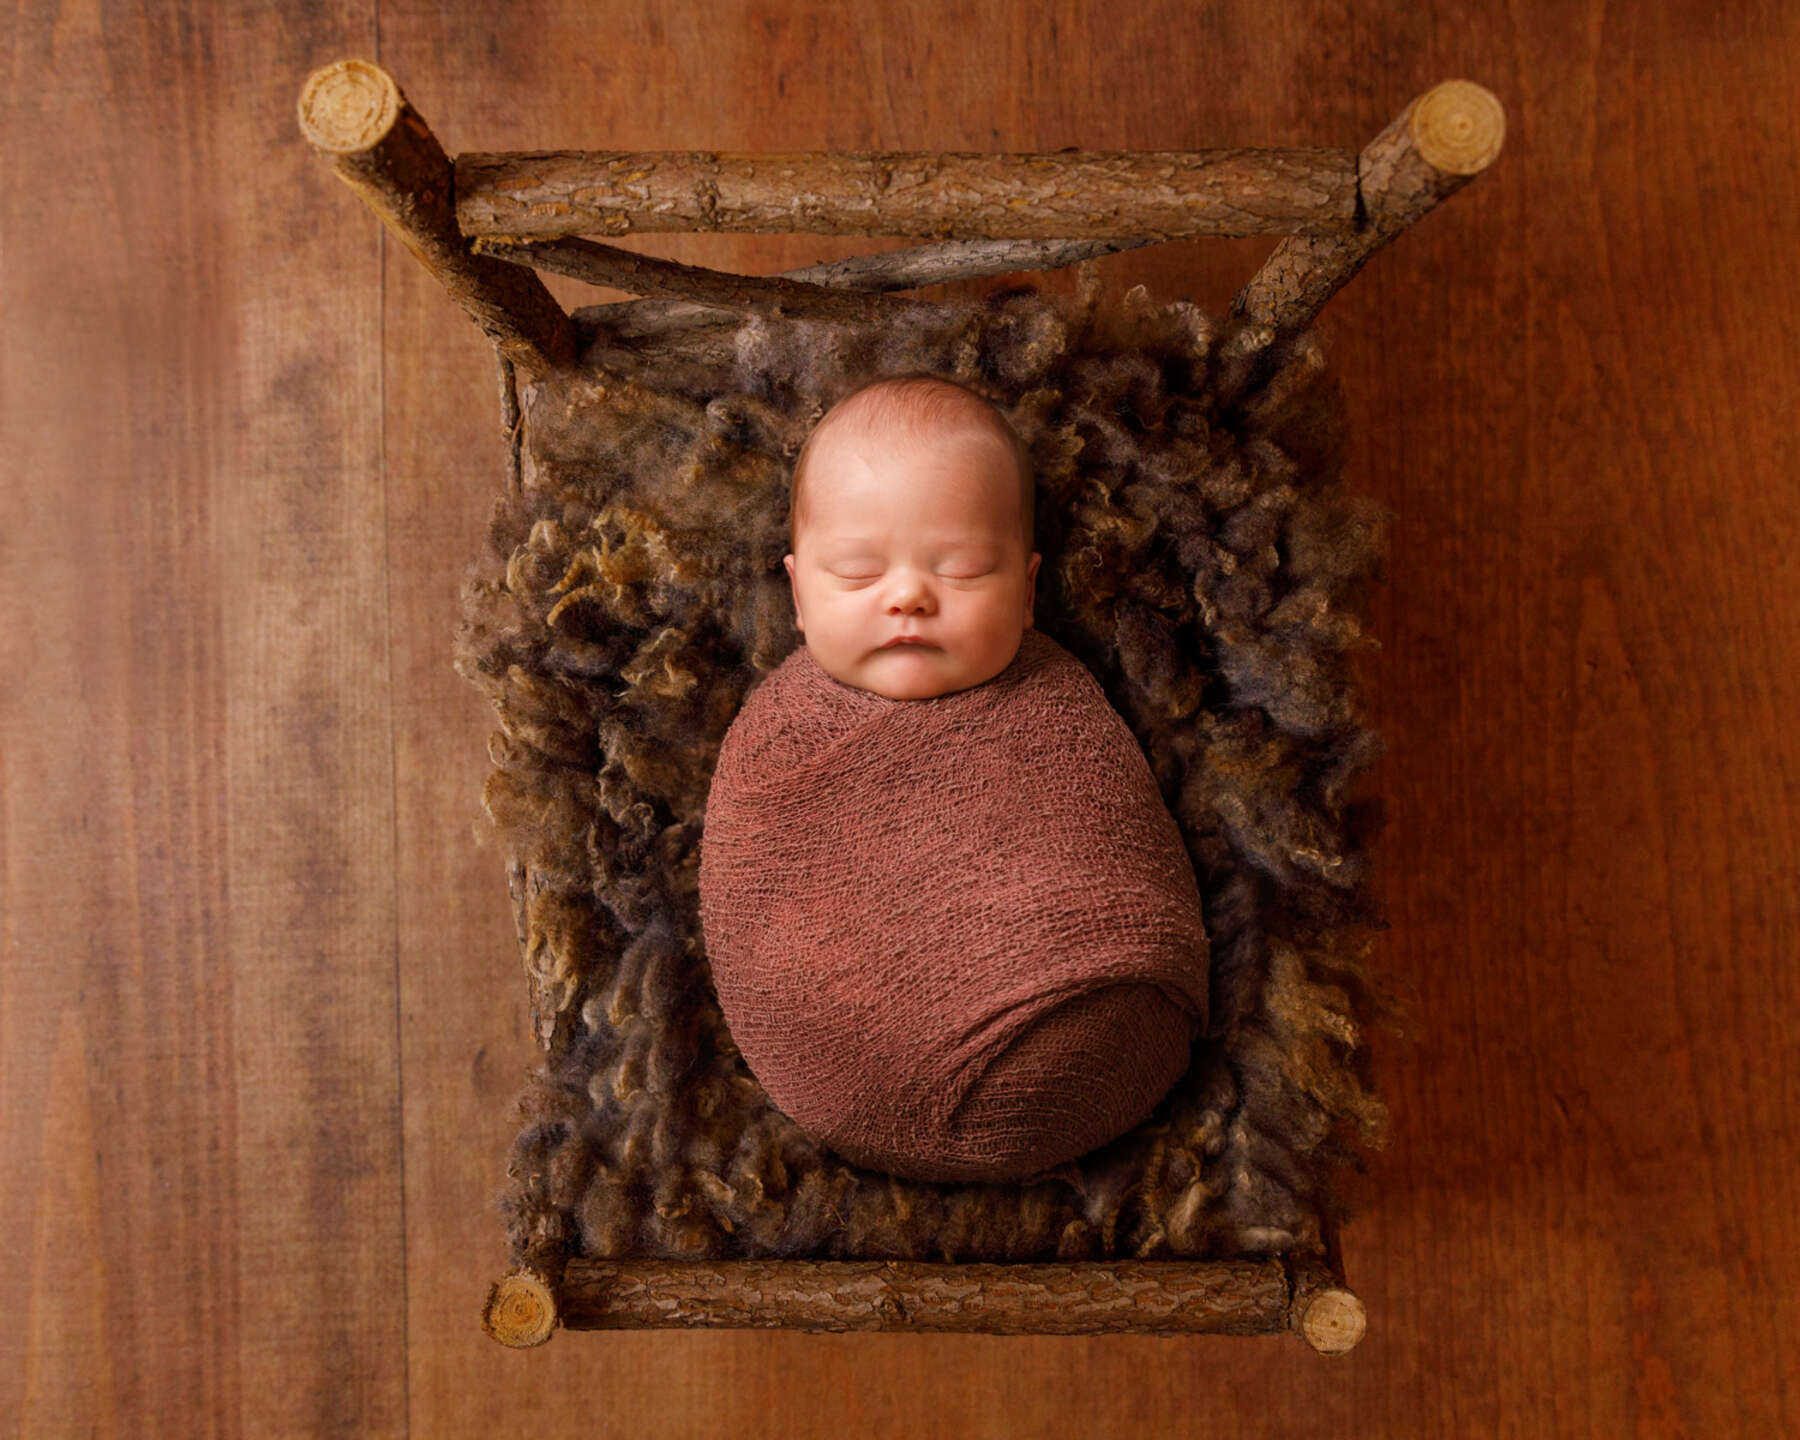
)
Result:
{"points": [[484, 223]]}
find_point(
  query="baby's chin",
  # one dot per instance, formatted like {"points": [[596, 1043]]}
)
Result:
{"points": [[915, 672], [921, 690]]}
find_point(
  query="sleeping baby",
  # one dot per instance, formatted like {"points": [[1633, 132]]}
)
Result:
{"points": [[952, 925]]}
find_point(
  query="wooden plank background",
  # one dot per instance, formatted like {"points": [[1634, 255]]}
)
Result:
{"points": [[261, 1017]]}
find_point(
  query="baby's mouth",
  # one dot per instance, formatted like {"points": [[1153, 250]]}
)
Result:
{"points": [[900, 640]]}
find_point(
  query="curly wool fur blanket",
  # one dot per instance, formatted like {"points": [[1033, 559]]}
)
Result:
{"points": [[1206, 561], [954, 938]]}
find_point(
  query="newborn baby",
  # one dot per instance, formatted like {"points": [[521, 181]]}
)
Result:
{"points": [[952, 925]]}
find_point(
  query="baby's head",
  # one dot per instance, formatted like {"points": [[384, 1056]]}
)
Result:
{"points": [[911, 514]]}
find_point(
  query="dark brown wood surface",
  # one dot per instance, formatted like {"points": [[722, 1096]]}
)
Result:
{"points": [[260, 1012]]}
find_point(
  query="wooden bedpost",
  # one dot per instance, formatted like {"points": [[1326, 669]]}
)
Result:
{"points": [[1322, 1308], [1434, 147], [520, 1309], [354, 113]]}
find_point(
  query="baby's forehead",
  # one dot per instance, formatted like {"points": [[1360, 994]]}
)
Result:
{"points": [[983, 470], [870, 433], [855, 424]]}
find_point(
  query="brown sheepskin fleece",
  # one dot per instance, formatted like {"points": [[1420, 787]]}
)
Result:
{"points": [[1201, 557]]}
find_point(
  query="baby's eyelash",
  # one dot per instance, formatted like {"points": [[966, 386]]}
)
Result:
{"points": [[865, 579]]}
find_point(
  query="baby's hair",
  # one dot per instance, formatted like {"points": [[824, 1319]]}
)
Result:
{"points": [[920, 404]]}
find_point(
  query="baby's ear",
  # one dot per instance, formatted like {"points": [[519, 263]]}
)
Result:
{"points": [[794, 590]]}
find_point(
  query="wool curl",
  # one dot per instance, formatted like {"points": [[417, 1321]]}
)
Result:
{"points": [[1201, 557]]}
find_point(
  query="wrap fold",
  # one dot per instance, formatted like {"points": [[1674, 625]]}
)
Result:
{"points": [[957, 938]]}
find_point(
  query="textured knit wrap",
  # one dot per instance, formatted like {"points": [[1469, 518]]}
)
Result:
{"points": [[956, 938]]}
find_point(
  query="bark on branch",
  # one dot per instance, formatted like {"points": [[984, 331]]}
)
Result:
{"points": [[915, 267], [1322, 1309], [718, 290], [1145, 1297], [354, 114], [1067, 194], [1434, 147]]}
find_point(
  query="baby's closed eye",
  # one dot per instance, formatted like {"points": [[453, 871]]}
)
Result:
{"points": [[959, 577]]}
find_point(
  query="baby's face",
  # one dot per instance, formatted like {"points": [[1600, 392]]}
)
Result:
{"points": [[912, 538]]}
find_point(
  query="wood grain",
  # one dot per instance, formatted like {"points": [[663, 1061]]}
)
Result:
{"points": [[260, 1011], [201, 1078]]}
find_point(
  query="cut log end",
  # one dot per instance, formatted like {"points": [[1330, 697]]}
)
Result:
{"points": [[1334, 1321], [348, 106], [1458, 127], [521, 1311]]}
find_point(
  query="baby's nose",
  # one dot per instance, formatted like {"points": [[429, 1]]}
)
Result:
{"points": [[909, 593]]}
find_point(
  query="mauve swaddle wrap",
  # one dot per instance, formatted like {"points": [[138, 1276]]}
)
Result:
{"points": [[956, 938]]}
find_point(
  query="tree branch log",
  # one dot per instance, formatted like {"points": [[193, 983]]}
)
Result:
{"points": [[1145, 1297], [1440, 142], [717, 290], [1068, 194], [354, 114], [915, 267], [943, 261]]}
